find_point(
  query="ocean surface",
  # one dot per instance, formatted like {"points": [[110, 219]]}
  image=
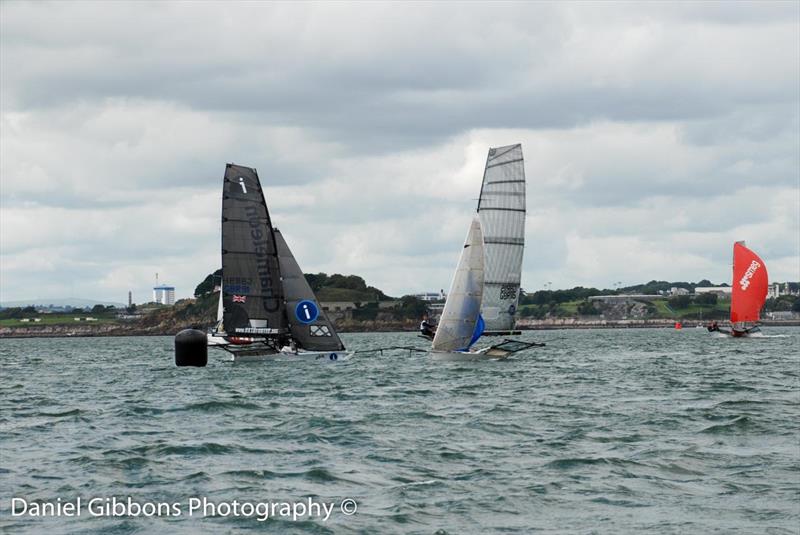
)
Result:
{"points": [[602, 431]]}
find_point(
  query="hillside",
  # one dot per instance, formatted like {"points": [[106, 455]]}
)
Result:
{"points": [[334, 287]]}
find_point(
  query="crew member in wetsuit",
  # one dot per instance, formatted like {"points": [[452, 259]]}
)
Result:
{"points": [[713, 327], [425, 328]]}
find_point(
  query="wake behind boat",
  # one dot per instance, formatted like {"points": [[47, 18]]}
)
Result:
{"points": [[749, 293], [267, 310]]}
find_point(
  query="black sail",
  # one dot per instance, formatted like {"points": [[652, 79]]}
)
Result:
{"points": [[252, 295], [308, 323]]}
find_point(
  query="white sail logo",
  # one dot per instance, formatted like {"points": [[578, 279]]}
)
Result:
{"points": [[241, 183], [744, 282]]}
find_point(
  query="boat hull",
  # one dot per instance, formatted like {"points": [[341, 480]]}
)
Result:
{"points": [[258, 351], [314, 356], [466, 356], [745, 333], [736, 333]]}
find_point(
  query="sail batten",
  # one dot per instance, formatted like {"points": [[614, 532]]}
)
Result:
{"points": [[501, 209]]}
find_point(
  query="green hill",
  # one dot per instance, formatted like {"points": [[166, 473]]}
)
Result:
{"points": [[334, 287]]}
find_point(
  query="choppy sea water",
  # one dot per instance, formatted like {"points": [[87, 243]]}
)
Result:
{"points": [[618, 431]]}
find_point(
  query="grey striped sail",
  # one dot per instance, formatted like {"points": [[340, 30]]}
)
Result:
{"points": [[501, 209], [252, 294], [308, 323]]}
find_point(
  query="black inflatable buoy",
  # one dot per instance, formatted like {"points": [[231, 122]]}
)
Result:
{"points": [[191, 348]]}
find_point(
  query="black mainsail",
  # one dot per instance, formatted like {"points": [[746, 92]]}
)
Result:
{"points": [[308, 323], [252, 294]]}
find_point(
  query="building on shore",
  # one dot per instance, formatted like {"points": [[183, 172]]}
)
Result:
{"points": [[430, 296], [164, 295], [678, 291], [783, 315], [721, 291], [776, 289]]}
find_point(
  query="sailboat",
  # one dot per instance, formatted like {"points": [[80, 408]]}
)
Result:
{"points": [[749, 292], [461, 323], [501, 208], [266, 307]]}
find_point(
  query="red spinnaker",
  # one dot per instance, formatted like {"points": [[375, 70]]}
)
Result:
{"points": [[749, 284]]}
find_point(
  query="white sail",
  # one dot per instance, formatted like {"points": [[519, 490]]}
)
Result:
{"points": [[501, 209], [463, 305]]}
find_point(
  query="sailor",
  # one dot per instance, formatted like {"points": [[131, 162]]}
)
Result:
{"points": [[288, 345], [713, 327], [425, 328]]}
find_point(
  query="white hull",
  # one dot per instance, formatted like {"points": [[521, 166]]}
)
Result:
{"points": [[258, 352], [216, 341]]}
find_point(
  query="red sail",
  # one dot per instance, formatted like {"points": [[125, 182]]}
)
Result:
{"points": [[749, 284]]}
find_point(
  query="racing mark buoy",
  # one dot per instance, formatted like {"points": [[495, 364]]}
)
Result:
{"points": [[191, 348], [678, 326]]}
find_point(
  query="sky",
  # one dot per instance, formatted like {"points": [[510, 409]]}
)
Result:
{"points": [[654, 135]]}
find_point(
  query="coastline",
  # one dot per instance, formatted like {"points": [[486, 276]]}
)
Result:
{"points": [[96, 331], [573, 323]]}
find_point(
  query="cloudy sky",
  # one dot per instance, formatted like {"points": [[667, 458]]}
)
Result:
{"points": [[654, 134]]}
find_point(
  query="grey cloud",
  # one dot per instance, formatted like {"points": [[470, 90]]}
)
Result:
{"points": [[363, 119], [505, 72]]}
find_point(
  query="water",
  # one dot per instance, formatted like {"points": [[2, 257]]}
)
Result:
{"points": [[619, 431]]}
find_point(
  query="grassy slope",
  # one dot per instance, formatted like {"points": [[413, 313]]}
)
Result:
{"points": [[58, 319]]}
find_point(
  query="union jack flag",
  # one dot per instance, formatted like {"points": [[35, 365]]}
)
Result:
{"points": [[239, 298]]}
